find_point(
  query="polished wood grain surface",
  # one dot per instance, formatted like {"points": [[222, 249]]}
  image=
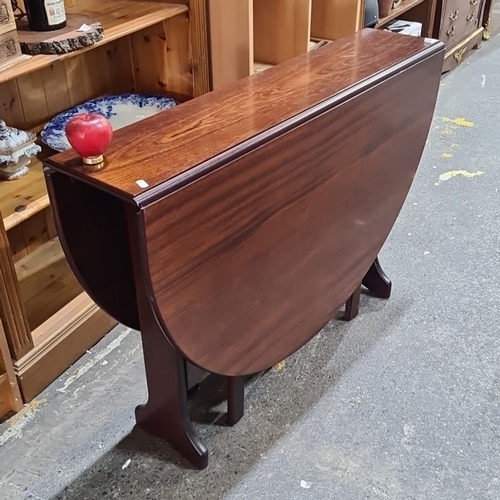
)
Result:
{"points": [[251, 261], [160, 149]]}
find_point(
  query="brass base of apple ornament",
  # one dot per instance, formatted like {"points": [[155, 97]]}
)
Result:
{"points": [[94, 163], [89, 135]]}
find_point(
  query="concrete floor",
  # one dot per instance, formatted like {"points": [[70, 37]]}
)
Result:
{"points": [[402, 403]]}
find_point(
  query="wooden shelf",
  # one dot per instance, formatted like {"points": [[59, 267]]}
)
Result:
{"points": [[258, 67], [3, 378], [46, 282], [316, 43], [119, 19], [404, 7], [28, 195], [79, 307], [59, 342], [313, 45]]}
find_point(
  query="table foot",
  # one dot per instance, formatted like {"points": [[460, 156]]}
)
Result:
{"points": [[235, 399], [165, 415], [377, 281]]}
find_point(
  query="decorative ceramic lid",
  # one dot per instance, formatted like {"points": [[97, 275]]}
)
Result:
{"points": [[14, 143]]}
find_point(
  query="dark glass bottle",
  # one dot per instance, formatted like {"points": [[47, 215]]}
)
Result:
{"points": [[45, 15]]}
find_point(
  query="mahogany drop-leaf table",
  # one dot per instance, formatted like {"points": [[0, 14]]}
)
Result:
{"points": [[230, 229]]}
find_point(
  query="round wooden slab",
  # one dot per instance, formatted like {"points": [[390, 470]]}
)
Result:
{"points": [[61, 41]]}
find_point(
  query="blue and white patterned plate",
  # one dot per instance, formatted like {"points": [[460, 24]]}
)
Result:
{"points": [[121, 110]]}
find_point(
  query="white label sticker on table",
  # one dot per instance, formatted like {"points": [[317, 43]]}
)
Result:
{"points": [[141, 183]]}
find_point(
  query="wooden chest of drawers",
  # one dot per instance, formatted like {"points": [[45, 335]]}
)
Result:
{"points": [[459, 24]]}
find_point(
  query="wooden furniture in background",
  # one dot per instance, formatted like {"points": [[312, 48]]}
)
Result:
{"points": [[460, 26], [488, 5], [10, 396], [251, 35], [421, 11], [231, 40], [256, 225], [333, 19], [148, 46], [281, 28]]}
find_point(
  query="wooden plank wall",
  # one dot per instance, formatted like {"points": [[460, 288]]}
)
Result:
{"points": [[31, 234], [333, 19], [231, 40], [282, 29], [31, 100], [168, 45]]}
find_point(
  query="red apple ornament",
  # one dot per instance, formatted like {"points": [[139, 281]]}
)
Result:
{"points": [[89, 135]]}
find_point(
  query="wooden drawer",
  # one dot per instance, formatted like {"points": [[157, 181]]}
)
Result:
{"points": [[459, 52], [459, 19]]}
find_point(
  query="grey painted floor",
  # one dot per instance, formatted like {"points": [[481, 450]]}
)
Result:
{"points": [[402, 403]]}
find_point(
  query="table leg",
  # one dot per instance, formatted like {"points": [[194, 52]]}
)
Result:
{"points": [[235, 399], [377, 281], [165, 414], [352, 305]]}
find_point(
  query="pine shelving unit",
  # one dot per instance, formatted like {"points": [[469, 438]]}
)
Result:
{"points": [[148, 46]]}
